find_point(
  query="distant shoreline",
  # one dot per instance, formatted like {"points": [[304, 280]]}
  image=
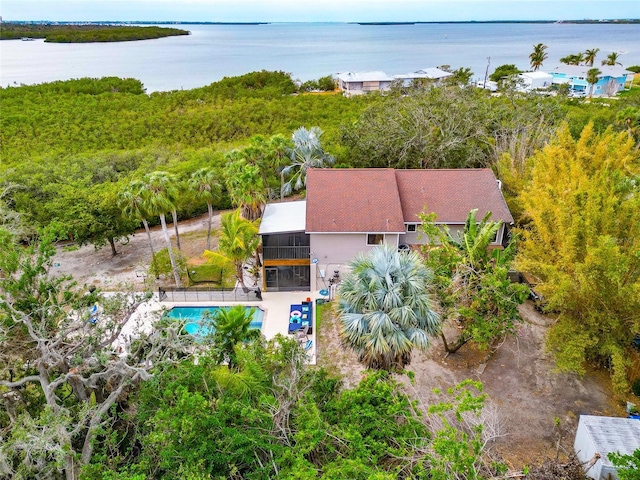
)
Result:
{"points": [[622, 21]]}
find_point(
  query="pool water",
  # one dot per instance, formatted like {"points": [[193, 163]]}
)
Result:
{"points": [[195, 315]]}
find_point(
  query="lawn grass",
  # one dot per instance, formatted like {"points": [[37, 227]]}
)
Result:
{"points": [[213, 274]]}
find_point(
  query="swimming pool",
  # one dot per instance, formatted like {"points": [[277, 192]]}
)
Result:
{"points": [[195, 315]]}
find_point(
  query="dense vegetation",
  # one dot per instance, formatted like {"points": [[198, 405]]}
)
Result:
{"points": [[85, 33], [92, 158]]}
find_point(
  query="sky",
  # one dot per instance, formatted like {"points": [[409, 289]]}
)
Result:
{"points": [[315, 10]]}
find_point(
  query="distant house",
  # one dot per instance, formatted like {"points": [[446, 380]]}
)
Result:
{"points": [[597, 436], [433, 76], [349, 211], [529, 81], [612, 79], [352, 83]]}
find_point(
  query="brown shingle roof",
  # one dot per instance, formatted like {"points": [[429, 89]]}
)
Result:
{"points": [[451, 194], [353, 200], [378, 200]]}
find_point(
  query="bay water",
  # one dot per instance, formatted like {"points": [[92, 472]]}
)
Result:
{"points": [[311, 50]]}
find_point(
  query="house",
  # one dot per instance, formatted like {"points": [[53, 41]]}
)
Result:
{"points": [[358, 83], [285, 247], [597, 436], [349, 211], [430, 76], [611, 80], [529, 81]]}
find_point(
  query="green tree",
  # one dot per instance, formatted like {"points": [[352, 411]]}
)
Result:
{"points": [[592, 79], [60, 369], [461, 77], [159, 201], [238, 241], [107, 223], [612, 59], [306, 153], [508, 70], [538, 56], [10, 219], [232, 326], [471, 280], [574, 59], [206, 184], [245, 186], [590, 56], [628, 466], [582, 241], [457, 445], [385, 308], [133, 202]]}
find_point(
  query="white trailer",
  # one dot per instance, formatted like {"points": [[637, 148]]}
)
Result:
{"points": [[596, 437], [529, 81]]}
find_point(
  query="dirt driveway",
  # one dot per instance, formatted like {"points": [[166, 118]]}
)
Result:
{"points": [[535, 406], [99, 268], [531, 406]]}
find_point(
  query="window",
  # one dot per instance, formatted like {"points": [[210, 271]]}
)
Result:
{"points": [[375, 238], [411, 227]]}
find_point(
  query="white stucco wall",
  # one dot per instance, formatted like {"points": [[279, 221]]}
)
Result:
{"points": [[419, 238], [335, 250]]}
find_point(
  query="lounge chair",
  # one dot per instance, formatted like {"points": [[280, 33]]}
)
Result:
{"points": [[302, 335]]}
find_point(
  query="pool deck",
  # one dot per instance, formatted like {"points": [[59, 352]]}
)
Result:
{"points": [[276, 307]]}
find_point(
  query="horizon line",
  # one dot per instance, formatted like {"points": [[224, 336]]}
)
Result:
{"points": [[358, 22]]}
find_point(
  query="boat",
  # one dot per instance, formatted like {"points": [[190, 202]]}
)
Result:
{"points": [[27, 39]]}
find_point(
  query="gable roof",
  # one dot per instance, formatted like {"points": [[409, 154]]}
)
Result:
{"points": [[353, 200], [434, 72], [375, 76], [451, 194], [582, 70], [536, 75], [382, 200], [429, 73]]}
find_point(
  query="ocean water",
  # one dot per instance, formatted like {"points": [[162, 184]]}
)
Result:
{"points": [[309, 51]]}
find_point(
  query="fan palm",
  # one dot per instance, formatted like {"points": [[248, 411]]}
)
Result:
{"points": [[385, 310], [159, 201], [205, 184], [590, 56], [133, 203], [306, 153], [538, 56], [238, 241]]}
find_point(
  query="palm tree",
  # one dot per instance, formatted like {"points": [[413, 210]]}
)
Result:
{"points": [[592, 79], [133, 203], [472, 280], [231, 327], [538, 56], [306, 153], [385, 310], [245, 186], [159, 202], [572, 59], [205, 184], [590, 56], [612, 60], [238, 241]]}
